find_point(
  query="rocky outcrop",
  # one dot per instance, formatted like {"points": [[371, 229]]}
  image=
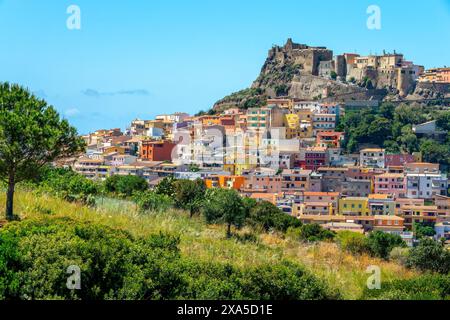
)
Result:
{"points": [[425, 90], [293, 71]]}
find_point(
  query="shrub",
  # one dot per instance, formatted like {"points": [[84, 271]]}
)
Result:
{"points": [[166, 187], [426, 287], [69, 185], [35, 254], [310, 232], [355, 243], [268, 216], [151, 201], [430, 255], [125, 185], [399, 255], [381, 243]]}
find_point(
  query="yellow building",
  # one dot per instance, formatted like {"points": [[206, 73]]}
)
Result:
{"points": [[292, 124], [354, 206]]}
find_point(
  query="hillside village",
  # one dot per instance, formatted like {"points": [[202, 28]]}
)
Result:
{"points": [[288, 153]]}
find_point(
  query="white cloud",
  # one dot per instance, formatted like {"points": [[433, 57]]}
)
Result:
{"points": [[71, 112]]}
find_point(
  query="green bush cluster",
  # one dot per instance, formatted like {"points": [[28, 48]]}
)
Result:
{"points": [[125, 186], [68, 185], [310, 233], [35, 255], [377, 244], [426, 287]]}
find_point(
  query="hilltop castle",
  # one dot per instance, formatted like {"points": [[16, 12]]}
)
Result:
{"points": [[388, 71]]}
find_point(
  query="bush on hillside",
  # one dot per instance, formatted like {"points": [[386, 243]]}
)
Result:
{"points": [[430, 255], [125, 186], [310, 233], [354, 243], [68, 185], [381, 243], [426, 287], [35, 255], [189, 195], [268, 216], [151, 201], [399, 255]]}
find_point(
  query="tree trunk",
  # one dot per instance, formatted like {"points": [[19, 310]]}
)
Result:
{"points": [[10, 198], [229, 230]]}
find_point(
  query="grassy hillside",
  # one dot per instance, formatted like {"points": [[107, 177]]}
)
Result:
{"points": [[342, 272]]}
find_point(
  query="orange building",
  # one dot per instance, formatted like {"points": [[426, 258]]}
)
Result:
{"points": [[157, 150], [226, 182], [329, 139]]}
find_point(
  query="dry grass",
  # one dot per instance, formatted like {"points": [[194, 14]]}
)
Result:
{"points": [[340, 270]]}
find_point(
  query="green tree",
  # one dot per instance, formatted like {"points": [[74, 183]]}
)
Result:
{"points": [[166, 186], [423, 230], [430, 255], [443, 120], [434, 152], [381, 243], [31, 136], [268, 216], [224, 206], [189, 195]]}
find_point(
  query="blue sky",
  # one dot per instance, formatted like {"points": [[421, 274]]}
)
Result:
{"points": [[140, 58]]}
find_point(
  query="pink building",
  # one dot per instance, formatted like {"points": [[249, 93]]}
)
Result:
{"points": [[256, 183], [390, 183], [315, 158]]}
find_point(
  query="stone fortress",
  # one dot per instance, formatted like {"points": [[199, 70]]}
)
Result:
{"points": [[389, 71]]}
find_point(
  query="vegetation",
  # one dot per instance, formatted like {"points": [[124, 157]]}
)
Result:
{"points": [[380, 244], [35, 254], [224, 206], [125, 186], [430, 255], [244, 99], [31, 136], [310, 233], [343, 274], [422, 230], [391, 127], [355, 243], [268, 217], [377, 244], [426, 287], [68, 185], [189, 195], [149, 201]]}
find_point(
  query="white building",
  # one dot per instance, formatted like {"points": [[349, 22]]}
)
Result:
{"points": [[425, 185], [372, 158]]}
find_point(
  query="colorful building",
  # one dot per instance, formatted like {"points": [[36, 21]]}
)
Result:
{"points": [[354, 206], [390, 183], [157, 150]]}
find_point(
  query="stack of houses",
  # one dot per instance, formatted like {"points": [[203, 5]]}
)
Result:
{"points": [[288, 153]]}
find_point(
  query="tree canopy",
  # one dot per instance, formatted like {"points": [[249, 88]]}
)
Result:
{"points": [[32, 134]]}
